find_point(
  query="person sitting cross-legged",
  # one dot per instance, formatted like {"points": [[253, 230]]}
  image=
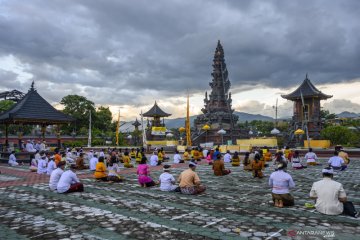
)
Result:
{"points": [[296, 161], [219, 167], [336, 162], [247, 162], [177, 157], [100, 171], [154, 159], [114, 170], [311, 158], [330, 196], [69, 182], [167, 180], [190, 181], [281, 182], [143, 174], [12, 159], [235, 161], [257, 166], [55, 176], [127, 161]]}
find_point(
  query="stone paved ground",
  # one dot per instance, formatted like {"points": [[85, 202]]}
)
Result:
{"points": [[233, 207]]}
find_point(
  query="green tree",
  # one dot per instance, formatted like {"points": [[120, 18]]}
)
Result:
{"points": [[5, 105], [340, 135], [102, 119], [327, 115], [79, 108]]}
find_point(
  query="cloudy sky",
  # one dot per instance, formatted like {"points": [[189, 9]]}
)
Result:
{"points": [[127, 54]]}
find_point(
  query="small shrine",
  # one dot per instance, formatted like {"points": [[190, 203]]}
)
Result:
{"points": [[306, 110], [156, 129], [136, 134]]}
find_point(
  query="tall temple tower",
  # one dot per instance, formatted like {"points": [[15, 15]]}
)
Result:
{"points": [[217, 112]]}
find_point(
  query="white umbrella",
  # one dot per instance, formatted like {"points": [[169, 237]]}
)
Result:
{"points": [[275, 131]]}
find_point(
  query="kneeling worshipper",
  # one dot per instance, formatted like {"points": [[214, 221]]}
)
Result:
{"points": [[177, 157], [42, 164], [143, 174], [336, 162], [257, 166], [311, 158], [219, 167], [167, 180], [186, 155], [160, 157], [267, 154], [209, 158], [80, 164], [190, 181], [100, 170], [296, 161], [281, 182], [55, 176], [227, 157], [196, 154], [344, 155], [330, 196], [127, 160], [12, 159], [33, 164], [114, 170], [138, 156], [51, 166], [93, 161], [154, 159], [235, 160], [132, 153], [247, 162], [69, 182]]}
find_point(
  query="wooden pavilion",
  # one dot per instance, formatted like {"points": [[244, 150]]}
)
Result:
{"points": [[32, 109]]}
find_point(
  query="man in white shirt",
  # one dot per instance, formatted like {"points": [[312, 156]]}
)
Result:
{"points": [[51, 166], [37, 146], [30, 147], [38, 155], [42, 165], [69, 182], [227, 157], [337, 162], [92, 163], [102, 153], [90, 155], [329, 194], [69, 157], [55, 175], [167, 181], [205, 152], [154, 159], [43, 146], [311, 157], [177, 157], [12, 159]]}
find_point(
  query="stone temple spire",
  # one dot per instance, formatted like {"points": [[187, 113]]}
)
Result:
{"points": [[219, 99], [217, 110]]}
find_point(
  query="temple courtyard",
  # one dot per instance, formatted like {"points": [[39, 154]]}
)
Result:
{"points": [[236, 206]]}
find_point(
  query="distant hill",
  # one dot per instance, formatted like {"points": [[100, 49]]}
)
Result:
{"points": [[180, 122], [348, 115], [243, 117]]}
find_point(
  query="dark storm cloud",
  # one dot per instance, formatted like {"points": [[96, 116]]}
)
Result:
{"points": [[116, 51]]}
